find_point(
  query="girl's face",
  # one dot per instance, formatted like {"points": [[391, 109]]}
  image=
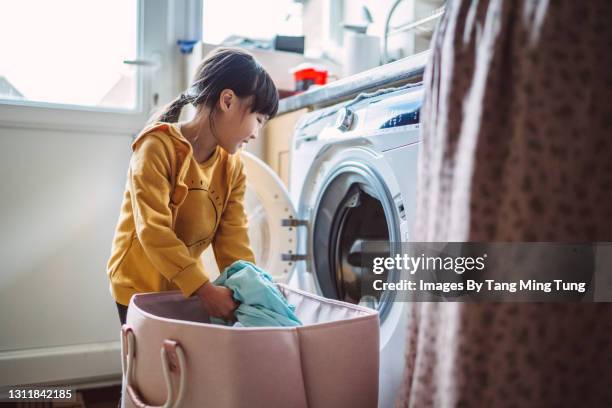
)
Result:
{"points": [[234, 122]]}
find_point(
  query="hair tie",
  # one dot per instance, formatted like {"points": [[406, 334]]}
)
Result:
{"points": [[185, 99]]}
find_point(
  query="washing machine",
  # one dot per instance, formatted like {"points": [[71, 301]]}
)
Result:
{"points": [[352, 180]]}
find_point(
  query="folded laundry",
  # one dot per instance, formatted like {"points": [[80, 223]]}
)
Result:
{"points": [[260, 301]]}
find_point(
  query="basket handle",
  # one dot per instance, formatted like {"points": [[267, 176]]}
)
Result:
{"points": [[172, 358]]}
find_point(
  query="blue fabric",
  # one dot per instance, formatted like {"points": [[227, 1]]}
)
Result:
{"points": [[260, 301]]}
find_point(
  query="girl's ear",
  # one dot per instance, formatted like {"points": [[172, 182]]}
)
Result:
{"points": [[227, 99]]}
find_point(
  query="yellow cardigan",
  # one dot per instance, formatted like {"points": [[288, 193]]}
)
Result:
{"points": [[173, 209]]}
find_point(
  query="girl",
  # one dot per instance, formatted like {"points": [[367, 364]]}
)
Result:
{"points": [[185, 186]]}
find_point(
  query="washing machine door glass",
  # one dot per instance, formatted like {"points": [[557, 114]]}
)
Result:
{"points": [[266, 204], [354, 208]]}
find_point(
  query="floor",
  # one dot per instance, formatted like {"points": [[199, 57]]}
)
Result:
{"points": [[102, 397]]}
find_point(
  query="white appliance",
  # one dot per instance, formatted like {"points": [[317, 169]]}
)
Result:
{"points": [[353, 179]]}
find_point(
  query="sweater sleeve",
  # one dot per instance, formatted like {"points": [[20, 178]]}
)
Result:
{"points": [[231, 242], [150, 187]]}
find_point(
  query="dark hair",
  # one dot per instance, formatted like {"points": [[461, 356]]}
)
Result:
{"points": [[226, 68]]}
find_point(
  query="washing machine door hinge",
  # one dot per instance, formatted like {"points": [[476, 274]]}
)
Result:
{"points": [[293, 222], [293, 257]]}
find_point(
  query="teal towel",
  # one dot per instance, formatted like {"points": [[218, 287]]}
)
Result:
{"points": [[260, 301]]}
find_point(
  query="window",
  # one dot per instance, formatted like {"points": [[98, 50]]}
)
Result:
{"points": [[69, 52]]}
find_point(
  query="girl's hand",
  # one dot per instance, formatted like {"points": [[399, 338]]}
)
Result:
{"points": [[218, 301]]}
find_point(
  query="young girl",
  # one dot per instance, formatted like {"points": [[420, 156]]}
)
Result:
{"points": [[185, 186]]}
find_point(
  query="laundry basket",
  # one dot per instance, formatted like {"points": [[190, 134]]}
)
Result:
{"points": [[173, 357]]}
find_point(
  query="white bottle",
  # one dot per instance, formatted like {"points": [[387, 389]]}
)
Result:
{"points": [[361, 52]]}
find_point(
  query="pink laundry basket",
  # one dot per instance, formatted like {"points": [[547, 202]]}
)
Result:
{"points": [[173, 357]]}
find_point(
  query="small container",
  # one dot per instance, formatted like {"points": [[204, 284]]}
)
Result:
{"points": [[307, 74]]}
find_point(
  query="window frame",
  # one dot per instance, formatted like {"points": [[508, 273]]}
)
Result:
{"points": [[152, 35]]}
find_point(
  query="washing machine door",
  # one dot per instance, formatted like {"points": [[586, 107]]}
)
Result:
{"points": [[267, 206]]}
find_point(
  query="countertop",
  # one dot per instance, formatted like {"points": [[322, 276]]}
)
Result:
{"points": [[409, 69]]}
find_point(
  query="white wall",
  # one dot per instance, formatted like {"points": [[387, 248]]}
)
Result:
{"points": [[62, 191]]}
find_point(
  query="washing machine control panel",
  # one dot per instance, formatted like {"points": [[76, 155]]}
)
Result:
{"points": [[381, 112], [410, 117], [393, 113]]}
